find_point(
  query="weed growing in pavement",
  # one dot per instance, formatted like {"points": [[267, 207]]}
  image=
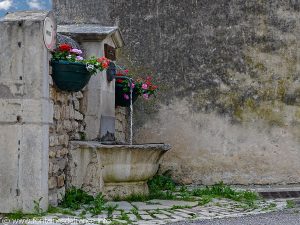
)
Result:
{"points": [[75, 198], [110, 209], [269, 207], [125, 217], [222, 191], [181, 207], [136, 213], [290, 204]]}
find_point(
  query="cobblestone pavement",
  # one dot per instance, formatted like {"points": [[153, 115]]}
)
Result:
{"points": [[159, 212], [285, 217]]}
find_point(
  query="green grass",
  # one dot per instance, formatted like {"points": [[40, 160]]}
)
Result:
{"points": [[125, 217], [52, 209], [269, 207], [205, 199], [110, 209], [290, 204], [181, 207], [222, 191], [160, 187], [135, 212], [18, 214]]}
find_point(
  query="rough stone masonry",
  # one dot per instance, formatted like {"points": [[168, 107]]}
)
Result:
{"points": [[229, 77]]}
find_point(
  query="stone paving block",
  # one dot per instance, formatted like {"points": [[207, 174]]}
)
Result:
{"points": [[171, 203], [116, 213], [166, 212], [145, 206], [182, 214], [120, 221], [178, 218], [146, 217], [142, 212], [122, 205], [132, 217], [161, 216], [186, 211]]}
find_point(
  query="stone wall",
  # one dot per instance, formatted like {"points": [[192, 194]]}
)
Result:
{"points": [[121, 124], [68, 124], [229, 78]]}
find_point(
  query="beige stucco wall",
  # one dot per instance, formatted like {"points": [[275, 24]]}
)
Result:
{"points": [[208, 148]]}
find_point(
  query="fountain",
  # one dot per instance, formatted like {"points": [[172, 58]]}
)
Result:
{"points": [[125, 168], [101, 164]]}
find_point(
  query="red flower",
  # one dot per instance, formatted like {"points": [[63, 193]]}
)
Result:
{"points": [[119, 74], [64, 47], [119, 80], [153, 87], [104, 62]]}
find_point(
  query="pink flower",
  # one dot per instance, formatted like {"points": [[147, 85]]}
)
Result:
{"points": [[132, 85], [145, 86], [76, 51], [126, 71], [146, 96], [126, 96], [79, 58]]}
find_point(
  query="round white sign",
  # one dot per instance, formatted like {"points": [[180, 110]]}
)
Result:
{"points": [[49, 33]]}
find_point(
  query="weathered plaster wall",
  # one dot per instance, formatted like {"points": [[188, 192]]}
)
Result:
{"points": [[229, 74], [25, 112]]}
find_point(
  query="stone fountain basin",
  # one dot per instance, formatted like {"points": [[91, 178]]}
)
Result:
{"points": [[115, 170]]}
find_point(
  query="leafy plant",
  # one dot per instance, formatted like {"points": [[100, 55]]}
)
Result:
{"points": [[75, 198], [162, 182], [97, 205], [67, 53], [82, 135], [37, 209], [221, 191], [204, 200], [125, 217], [290, 204], [110, 209]]}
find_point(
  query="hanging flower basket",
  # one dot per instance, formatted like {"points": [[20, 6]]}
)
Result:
{"points": [[70, 76], [123, 97], [141, 87], [70, 71]]}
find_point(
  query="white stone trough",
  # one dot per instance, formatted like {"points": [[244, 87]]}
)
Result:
{"points": [[114, 170]]}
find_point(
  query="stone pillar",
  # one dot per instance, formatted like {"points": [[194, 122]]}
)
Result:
{"points": [[25, 112], [100, 94]]}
